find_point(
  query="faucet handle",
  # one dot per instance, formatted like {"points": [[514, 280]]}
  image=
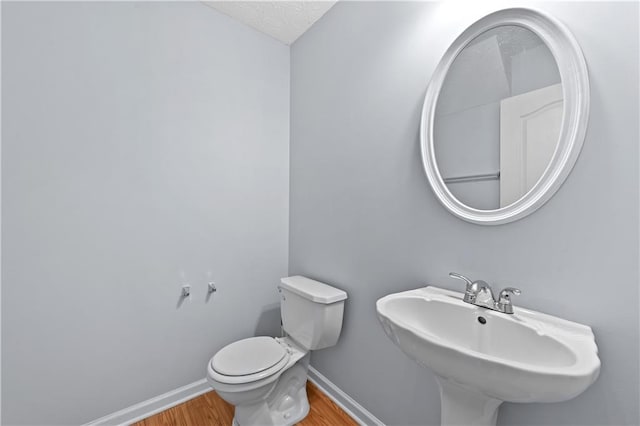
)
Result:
{"points": [[504, 299], [463, 278]]}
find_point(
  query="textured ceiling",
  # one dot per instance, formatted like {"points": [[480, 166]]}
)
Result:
{"points": [[283, 20]]}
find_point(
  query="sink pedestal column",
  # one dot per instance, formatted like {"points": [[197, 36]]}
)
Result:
{"points": [[460, 406]]}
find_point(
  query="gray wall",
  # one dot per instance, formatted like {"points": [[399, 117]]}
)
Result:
{"points": [[363, 216], [144, 145]]}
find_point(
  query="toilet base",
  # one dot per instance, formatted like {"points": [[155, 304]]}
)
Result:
{"points": [[285, 405], [287, 418]]}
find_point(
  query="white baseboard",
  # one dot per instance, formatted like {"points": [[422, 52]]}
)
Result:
{"points": [[153, 406], [344, 401]]}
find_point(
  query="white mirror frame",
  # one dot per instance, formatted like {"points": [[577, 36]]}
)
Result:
{"points": [[575, 87]]}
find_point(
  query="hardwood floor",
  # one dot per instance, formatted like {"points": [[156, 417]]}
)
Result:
{"points": [[210, 410]]}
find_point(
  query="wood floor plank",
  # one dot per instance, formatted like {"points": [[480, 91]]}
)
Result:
{"points": [[210, 410], [323, 411]]}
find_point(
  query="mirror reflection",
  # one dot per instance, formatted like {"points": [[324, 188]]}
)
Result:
{"points": [[498, 117]]}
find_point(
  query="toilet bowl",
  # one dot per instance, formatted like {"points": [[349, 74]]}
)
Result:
{"points": [[265, 377]]}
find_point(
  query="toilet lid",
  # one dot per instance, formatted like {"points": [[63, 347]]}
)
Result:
{"points": [[248, 356]]}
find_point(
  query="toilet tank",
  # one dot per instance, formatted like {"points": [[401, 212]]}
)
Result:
{"points": [[311, 311]]}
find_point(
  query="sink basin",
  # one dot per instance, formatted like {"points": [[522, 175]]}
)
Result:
{"points": [[482, 357]]}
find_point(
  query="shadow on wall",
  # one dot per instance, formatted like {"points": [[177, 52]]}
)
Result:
{"points": [[269, 321]]}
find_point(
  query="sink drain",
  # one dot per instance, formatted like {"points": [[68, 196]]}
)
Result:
{"points": [[482, 320]]}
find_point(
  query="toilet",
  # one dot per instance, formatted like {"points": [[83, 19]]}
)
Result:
{"points": [[265, 377]]}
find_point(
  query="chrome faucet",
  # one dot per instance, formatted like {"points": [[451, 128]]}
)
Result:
{"points": [[480, 293]]}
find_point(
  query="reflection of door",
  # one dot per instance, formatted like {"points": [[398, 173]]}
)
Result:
{"points": [[529, 131]]}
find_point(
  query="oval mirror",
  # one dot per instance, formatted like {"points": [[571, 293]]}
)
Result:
{"points": [[505, 116]]}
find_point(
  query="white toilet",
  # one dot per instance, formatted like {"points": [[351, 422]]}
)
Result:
{"points": [[265, 377]]}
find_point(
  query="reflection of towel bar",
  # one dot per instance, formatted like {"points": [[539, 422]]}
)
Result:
{"points": [[473, 178]]}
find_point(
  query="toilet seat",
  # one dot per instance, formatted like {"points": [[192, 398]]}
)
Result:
{"points": [[249, 360]]}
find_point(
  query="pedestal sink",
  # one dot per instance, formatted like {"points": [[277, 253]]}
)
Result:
{"points": [[483, 357]]}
